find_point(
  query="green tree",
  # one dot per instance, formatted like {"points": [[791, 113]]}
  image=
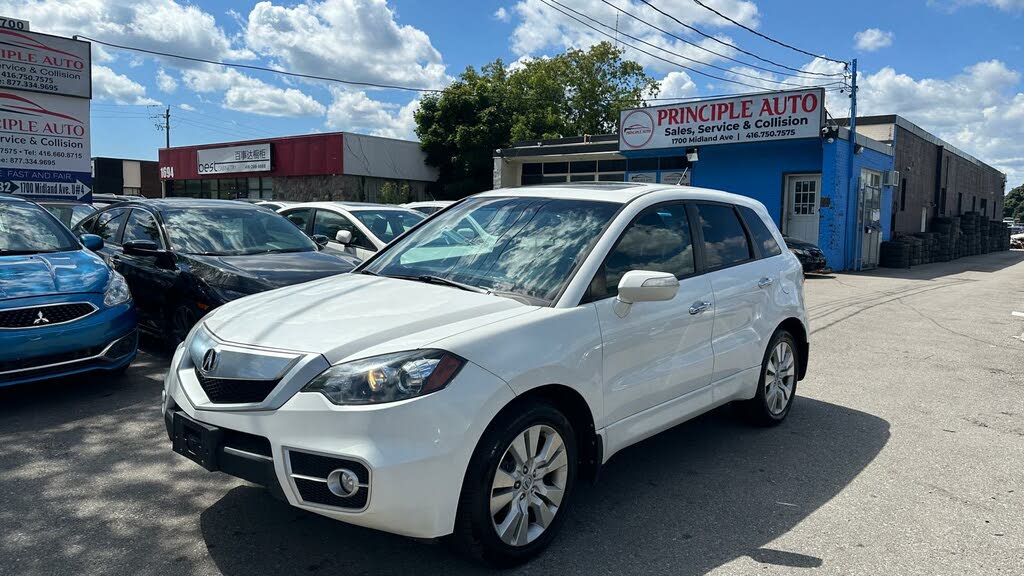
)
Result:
{"points": [[1013, 205], [392, 193], [575, 93]]}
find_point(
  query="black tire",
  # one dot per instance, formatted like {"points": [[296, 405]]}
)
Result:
{"points": [[180, 322], [757, 408], [475, 533]]}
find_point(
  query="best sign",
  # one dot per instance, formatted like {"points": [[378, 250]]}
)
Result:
{"points": [[751, 118]]}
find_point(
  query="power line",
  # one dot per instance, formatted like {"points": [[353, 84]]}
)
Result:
{"points": [[259, 68], [666, 50], [799, 72], [726, 95], [765, 36], [728, 44], [672, 62]]}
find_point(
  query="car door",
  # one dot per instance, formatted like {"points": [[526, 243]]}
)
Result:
{"points": [[149, 280], [329, 222], [658, 351], [740, 283], [300, 217]]}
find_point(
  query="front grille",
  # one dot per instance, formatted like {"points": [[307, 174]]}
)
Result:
{"points": [[42, 316], [310, 472], [226, 391], [28, 363]]}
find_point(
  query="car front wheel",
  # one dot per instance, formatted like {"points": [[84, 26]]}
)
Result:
{"points": [[518, 486]]}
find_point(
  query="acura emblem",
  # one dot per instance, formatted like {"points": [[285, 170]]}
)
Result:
{"points": [[40, 319], [210, 360]]}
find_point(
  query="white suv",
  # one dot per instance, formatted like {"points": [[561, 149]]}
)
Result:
{"points": [[463, 386]]}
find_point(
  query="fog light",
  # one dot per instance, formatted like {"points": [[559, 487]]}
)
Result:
{"points": [[343, 483], [121, 348]]}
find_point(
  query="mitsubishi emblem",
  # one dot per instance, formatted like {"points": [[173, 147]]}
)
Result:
{"points": [[40, 319], [210, 360]]}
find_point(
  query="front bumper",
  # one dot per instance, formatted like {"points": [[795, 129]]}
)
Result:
{"points": [[415, 452], [105, 340]]}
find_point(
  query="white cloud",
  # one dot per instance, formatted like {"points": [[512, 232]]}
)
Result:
{"points": [[247, 94], [872, 39], [352, 39], [677, 85], [980, 110], [1005, 5], [109, 86], [502, 15], [165, 82], [162, 25], [187, 107], [543, 27], [354, 111]]}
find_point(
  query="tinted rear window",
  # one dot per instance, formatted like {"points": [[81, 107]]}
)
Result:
{"points": [[725, 242], [762, 237]]}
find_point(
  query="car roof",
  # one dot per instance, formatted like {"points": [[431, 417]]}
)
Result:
{"points": [[428, 203], [13, 198], [350, 206], [620, 192]]}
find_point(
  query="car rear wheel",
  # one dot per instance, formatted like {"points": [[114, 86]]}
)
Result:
{"points": [[518, 486], [776, 388]]}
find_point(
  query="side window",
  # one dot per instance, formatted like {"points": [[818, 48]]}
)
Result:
{"points": [[725, 242], [142, 226], [84, 226], [762, 237], [108, 224], [300, 218], [329, 223], [658, 239]]}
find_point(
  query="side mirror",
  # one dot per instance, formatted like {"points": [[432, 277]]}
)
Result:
{"points": [[647, 286], [344, 236], [140, 248], [91, 241], [320, 240]]}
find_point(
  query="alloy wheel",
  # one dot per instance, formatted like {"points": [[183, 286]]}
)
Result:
{"points": [[529, 485], [779, 378]]}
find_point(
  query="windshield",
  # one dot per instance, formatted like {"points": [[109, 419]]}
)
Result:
{"points": [[524, 247], [387, 225], [216, 231], [28, 229], [69, 214]]}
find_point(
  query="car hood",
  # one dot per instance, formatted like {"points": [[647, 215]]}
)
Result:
{"points": [[258, 272], [357, 315], [57, 273]]}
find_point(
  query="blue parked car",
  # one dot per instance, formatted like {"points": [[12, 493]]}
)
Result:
{"points": [[62, 310]]}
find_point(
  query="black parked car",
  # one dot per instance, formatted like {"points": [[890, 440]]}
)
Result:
{"points": [[184, 257], [68, 212], [812, 258]]}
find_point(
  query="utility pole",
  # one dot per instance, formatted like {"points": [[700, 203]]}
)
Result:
{"points": [[167, 119], [851, 190]]}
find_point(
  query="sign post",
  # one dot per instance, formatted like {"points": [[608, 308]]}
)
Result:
{"points": [[45, 88]]}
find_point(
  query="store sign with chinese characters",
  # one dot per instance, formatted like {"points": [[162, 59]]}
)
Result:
{"points": [[234, 159]]}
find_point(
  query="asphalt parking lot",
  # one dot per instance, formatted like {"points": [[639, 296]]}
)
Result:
{"points": [[903, 455]]}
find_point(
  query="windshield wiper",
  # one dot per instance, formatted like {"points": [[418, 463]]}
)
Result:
{"points": [[438, 280]]}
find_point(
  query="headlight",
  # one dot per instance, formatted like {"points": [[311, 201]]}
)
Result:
{"points": [[387, 378], [117, 290]]}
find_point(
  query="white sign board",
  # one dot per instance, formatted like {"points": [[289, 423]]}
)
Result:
{"points": [[249, 158], [13, 24], [750, 118], [677, 177], [44, 145], [44, 63]]}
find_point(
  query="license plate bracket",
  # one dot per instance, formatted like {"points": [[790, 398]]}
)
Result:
{"points": [[196, 441]]}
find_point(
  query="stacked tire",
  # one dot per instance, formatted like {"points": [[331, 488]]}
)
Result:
{"points": [[894, 255], [915, 247], [947, 231], [970, 238]]}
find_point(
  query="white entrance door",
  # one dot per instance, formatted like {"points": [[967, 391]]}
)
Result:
{"points": [[803, 198]]}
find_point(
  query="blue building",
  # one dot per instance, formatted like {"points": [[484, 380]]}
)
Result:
{"points": [[816, 186]]}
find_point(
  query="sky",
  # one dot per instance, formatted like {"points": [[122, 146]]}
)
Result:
{"points": [[954, 67]]}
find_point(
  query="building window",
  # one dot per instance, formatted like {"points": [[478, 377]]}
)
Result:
{"points": [[556, 168], [673, 162], [611, 177], [959, 203], [903, 194], [582, 166], [618, 165], [942, 202], [984, 206], [974, 203], [557, 179], [531, 179], [642, 164], [804, 197], [582, 178], [532, 168]]}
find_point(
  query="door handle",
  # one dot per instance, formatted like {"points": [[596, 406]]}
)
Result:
{"points": [[765, 282], [699, 308]]}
